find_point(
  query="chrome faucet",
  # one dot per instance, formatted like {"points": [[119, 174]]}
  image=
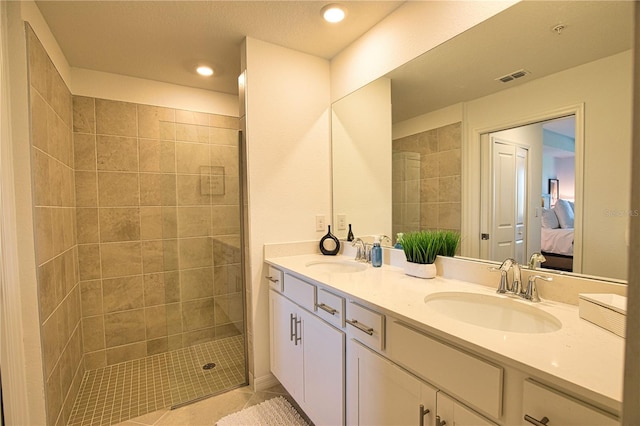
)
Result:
{"points": [[505, 287], [517, 287], [535, 260], [532, 290], [361, 255]]}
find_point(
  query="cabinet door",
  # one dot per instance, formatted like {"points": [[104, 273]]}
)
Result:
{"points": [[286, 353], [539, 401], [453, 413], [381, 393], [324, 371]]}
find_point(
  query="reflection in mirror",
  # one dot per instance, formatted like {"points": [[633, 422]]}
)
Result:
{"points": [[449, 103]]}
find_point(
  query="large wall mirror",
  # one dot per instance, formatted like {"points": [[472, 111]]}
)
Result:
{"points": [[517, 133]]}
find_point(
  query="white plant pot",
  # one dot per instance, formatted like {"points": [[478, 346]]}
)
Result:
{"points": [[420, 270]]}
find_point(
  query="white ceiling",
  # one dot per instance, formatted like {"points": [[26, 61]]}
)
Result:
{"points": [[164, 40]]}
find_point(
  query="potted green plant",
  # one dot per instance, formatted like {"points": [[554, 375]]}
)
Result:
{"points": [[421, 249], [450, 242]]}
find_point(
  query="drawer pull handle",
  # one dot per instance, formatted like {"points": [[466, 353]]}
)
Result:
{"points": [[327, 308], [361, 327], [273, 280], [440, 422], [423, 413], [542, 422]]}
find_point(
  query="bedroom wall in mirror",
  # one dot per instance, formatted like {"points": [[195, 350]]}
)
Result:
{"points": [[584, 73]]}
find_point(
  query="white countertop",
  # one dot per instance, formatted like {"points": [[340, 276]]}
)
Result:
{"points": [[581, 357]]}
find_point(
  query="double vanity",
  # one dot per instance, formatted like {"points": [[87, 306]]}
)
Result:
{"points": [[355, 344]]}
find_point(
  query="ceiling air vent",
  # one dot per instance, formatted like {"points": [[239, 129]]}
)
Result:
{"points": [[516, 74]]}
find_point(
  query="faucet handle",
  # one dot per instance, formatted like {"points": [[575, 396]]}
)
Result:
{"points": [[532, 290], [504, 281]]}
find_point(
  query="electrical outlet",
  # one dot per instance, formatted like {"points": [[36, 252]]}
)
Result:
{"points": [[320, 222], [342, 222]]}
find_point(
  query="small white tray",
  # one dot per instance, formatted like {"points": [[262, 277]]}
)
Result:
{"points": [[608, 311]]}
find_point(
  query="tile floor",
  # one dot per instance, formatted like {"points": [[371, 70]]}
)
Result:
{"points": [[208, 411], [135, 388]]}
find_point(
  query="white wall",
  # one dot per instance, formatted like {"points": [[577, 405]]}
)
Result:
{"points": [[566, 175], [116, 87], [360, 132], [24, 399], [432, 120], [604, 86], [288, 161], [412, 29], [631, 411]]}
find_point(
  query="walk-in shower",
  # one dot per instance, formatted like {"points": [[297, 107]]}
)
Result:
{"points": [[139, 251]]}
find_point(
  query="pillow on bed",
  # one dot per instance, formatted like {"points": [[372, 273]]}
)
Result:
{"points": [[549, 219], [565, 213]]}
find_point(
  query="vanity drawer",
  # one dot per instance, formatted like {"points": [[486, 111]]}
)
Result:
{"points": [[539, 401], [366, 326], [303, 293], [330, 307], [474, 381], [274, 276]]}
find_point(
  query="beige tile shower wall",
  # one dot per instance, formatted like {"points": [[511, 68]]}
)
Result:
{"points": [[55, 239], [440, 170], [158, 228]]}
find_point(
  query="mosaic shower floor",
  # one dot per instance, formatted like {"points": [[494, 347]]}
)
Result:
{"points": [[123, 391]]}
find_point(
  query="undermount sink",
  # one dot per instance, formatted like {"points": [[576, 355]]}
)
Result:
{"points": [[337, 266], [495, 312]]}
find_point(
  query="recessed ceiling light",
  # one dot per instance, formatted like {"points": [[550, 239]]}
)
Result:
{"points": [[333, 13], [204, 70]]}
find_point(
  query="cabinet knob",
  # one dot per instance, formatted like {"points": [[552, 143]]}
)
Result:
{"points": [[542, 422]]}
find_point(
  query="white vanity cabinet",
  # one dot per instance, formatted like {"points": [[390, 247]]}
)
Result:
{"points": [[351, 353], [307, 354], [542, 405], [381, 393]]}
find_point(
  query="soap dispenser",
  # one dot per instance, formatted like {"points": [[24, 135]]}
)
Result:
{"points": [[398, 244], [376, 253]]}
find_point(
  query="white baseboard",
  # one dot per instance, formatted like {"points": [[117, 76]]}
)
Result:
{"points": [[263, 382]]}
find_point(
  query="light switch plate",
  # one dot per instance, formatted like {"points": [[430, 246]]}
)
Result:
{"points": [[342, 222], [320, 222]]}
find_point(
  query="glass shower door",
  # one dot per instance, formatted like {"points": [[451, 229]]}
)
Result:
{"points": [[205, 319]]}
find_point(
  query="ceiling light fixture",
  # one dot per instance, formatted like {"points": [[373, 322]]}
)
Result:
{"points": [[333, 13], [204, 70]]}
